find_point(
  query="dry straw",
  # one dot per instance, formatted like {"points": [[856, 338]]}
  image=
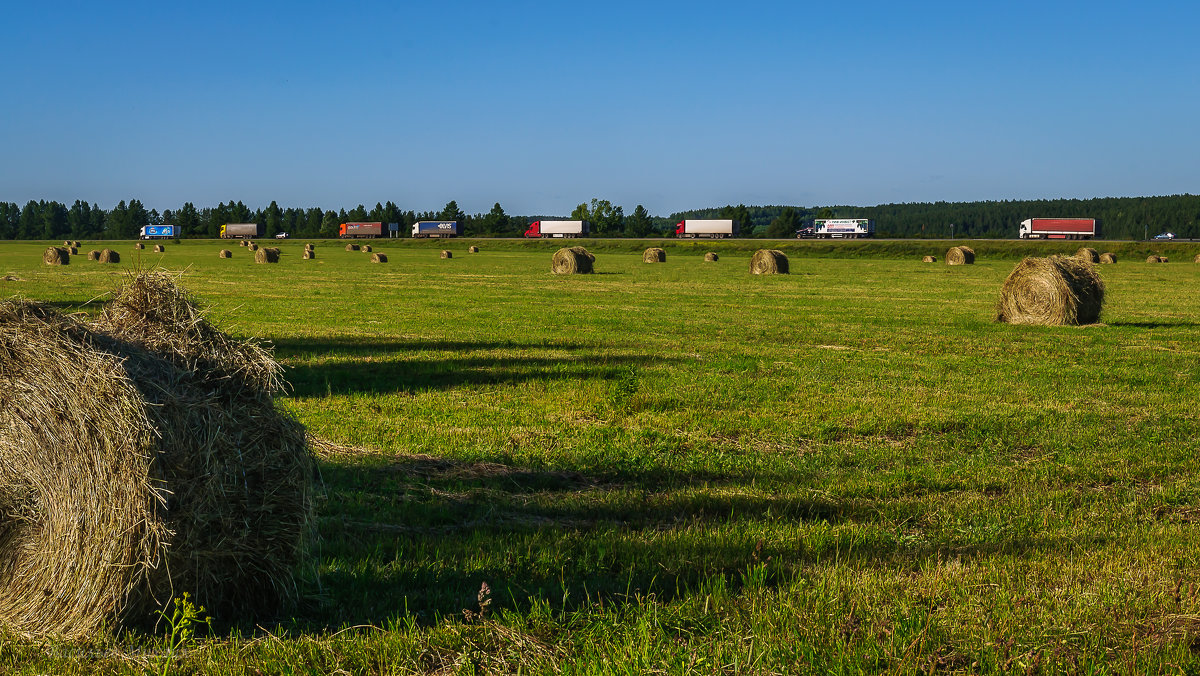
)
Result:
{"points": [[109, 256], [1058, 290], [654, 255], [143, 457], [769, 262], [1154, 259], [351, 247], [224, 253], [378, 258], [158, 248], [472, 249], [56, 255], [93, 255], [574, 260], [266, 255], [929, 259], [960, 255], [446, 253], [1196, 259], [1088, 254], [1108, 258], [711, 257]]}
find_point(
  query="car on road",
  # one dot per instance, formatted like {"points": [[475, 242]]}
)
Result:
{"points": [[282, 235], [1165, 235]]}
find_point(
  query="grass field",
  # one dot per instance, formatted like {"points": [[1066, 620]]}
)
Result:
{"points": [[683, 468]]}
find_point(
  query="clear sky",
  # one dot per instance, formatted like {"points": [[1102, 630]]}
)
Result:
{"points": [[543, 105]]}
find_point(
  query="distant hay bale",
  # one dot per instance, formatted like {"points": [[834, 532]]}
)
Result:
{"points": [[93, 255], [72, 250], [1057, 290], [75, 244], [109, 256], [1088, 254], [243, 243], [144, 457], [309, 254], [351, 247], [472, 249], [1163, 259], [574, 260], [225, 253], [654, 255], [769, 262], [158, 248], [1153, 259], [446, 253], [1196, 259], [378, 258], [960, 255], [139, 245], [56, 255], [252, 246], [1108, 258], [711, 257], [266, 255], [308, 246], [67, 244], [366, 248]]}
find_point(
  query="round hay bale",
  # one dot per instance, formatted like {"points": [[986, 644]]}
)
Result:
{"points": [[446, 253], [167, 467], [472, 249], [252, 246], [960, 255], [67, 244], [308, 246], [224, 253], [1057, 290], [574, 260], [1108, 258], [769, 262], [378, 258], [1163, 259], [73, 251], [75, 244], [654, 255], [711, 257], [93, 255], [929, 259], [1153, 259], [1196, 259], [309, 254], [351, 247], [109, 256], [243, 243], [158, 248], [139, 245], [366, 248], [266, 255], [56, 255], [1088, 254]]}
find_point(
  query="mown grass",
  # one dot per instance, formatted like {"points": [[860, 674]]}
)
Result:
{"points": [[684, 468]]}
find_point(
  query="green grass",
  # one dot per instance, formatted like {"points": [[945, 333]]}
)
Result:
{"points": [[688, 469]]}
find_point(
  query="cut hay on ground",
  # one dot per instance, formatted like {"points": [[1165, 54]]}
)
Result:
{"points": [[929, 259], [654, 255], [446, 253], [366, 248], [1058, 290], [1108, 258], [56, 255], [139, 245], [266, 255], [769, 262], [224, 253], [351, 247], [574, 260], [143, 457], [309, 254], [1088, 254], [93, 255], [378, 258], [109, 256], [472, 249], [158, 248], [711, 257], [1154, 259], [960, 255]]}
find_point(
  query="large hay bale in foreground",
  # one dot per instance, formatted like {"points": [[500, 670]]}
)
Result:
{"points": [[446, 253], [109, 256], [472, 249], [1057, 290], [572, 260], [960, 255], [142, 457], [224, 253], [266, 255], [1108, 258], [769, 262], [711, 257], [158, 248], [56, 255], [1088, 254], [929, 259], [654, 255], [351, 247], [378, 258], [93, 255], [1153, 259]]}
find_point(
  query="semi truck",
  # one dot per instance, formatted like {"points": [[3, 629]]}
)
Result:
{"points": [[843, 228], [159, 231], [352, 230], [239, 230], [435, 229], [714, 228], [557, 229], [1058, 228]]}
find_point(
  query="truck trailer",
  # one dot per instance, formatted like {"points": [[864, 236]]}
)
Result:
{"points": [[159, 231], [843, 228], [713, 228], [435, 229], [557, 229], [1058, 228], [239, 230], [352, 230]]}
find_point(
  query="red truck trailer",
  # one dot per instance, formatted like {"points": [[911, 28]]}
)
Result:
{"points": [[1058, 228], [346, 230]]}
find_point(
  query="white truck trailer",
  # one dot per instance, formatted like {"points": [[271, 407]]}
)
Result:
{"points": [[557, 229], [843, 228], [715, 228]]}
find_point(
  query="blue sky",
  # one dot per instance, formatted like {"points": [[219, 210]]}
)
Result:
{"points": [[541, 106]]}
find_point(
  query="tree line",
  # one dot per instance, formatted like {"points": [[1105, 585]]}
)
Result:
{"points": [[1120, 218]]}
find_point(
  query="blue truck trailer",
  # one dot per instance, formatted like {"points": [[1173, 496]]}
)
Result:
{"points": [[435, 229], [159, 231]]}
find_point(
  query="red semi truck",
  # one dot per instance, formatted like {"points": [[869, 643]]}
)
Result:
{"points": [[348, 230], [1058, 228]]}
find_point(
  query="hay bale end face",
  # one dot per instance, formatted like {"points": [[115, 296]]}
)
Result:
{"points": [[56, 255], [574, 260], [654, 255], [93, 255], [109, 256], [929, 259], [266, 255], [473, 249], [446, 253], [224, 253], [378, 258], [711, 257], [1052, 291], [769, 262], [351, 247], [158, 248], [1088, 254], [159, 433], [1108, 258], [960, 255]]}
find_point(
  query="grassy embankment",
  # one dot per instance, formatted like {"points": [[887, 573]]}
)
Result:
{"points": [[687, 468]]}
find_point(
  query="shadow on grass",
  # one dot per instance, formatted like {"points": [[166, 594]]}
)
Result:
{"points": [[1155, 325]]}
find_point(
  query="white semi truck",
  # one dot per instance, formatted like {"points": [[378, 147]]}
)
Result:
{"points": [[714, 228], [557, 229]]}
